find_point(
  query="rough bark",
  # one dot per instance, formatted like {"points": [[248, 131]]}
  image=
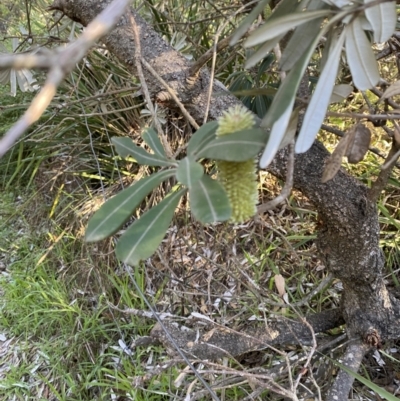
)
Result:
{"points": [[220, 341], [348, 232]]}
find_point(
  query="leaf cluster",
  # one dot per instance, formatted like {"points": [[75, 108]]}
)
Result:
{"points": [[208, 199]]}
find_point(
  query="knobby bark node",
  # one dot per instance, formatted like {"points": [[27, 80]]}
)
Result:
{"points": [[348, 228]]}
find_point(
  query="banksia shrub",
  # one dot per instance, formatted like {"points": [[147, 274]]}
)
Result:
{"points": [[238, 178]]}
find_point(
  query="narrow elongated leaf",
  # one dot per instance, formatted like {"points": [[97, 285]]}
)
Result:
{"points": [[201, 137], [316, 110], [288, 89], [262, 52], [209, 202], [301, 38], [291, 129], [393, 90], [282, 25], [151, 138], [337, 3], [189, 172], [246, 23], [143, 237], [238, 146], [113, 214], [277, 133], [299, 43], [360, 57], [283, 8], [125, 147], [375, 388], [383, 18]]}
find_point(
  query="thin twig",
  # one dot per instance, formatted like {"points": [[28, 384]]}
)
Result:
{"points": [[214, 58], [204, 58], [145, 89], [172, 93], [61, 64], [341, 134]]}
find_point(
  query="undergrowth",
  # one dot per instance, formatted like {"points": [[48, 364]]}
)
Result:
{"points": [[69, 323]]}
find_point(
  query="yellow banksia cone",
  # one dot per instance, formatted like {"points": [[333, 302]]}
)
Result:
{"points": [[239, 179]]}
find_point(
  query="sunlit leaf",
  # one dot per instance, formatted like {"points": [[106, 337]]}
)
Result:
{"points": [[189, 172], [360, 57], [151, 138], [201, 137], [144, 236], [277, 133], [282, 25], [126, 147], [208, 201], [316, 110], [238, 146], [383, 18], [246, 23], [113, 214]]}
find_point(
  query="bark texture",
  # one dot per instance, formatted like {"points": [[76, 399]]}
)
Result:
{"points": [[348, 232]]}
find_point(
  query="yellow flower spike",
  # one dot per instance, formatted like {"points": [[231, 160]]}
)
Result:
{"points": [[238, 178], [235, 119]]}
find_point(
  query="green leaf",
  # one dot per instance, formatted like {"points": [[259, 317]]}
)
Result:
{"points": [[283, 8], [209, 201], [360, 57], [113, 214], [299, 43], [151, 138], [262, 52], [383, 18], [316, 110], [143, 237], [282, 25], [189, 172], [201, 137], [238, 146], [246, 23], [126, 147], [277, 133], [286, 94]]}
